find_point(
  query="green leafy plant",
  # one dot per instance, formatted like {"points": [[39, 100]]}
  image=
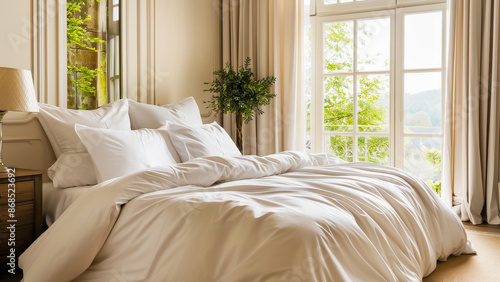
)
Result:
{"points": [[433, 156], [82, 78], [77, 27], [238, 92]]}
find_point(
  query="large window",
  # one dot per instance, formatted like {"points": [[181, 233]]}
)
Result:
{"points": [[376, 91], [93, 52]]}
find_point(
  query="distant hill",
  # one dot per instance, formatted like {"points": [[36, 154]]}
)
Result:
{"points": [[428, 102]]}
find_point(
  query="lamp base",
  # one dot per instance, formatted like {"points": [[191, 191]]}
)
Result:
{"points": [[3, 168]]}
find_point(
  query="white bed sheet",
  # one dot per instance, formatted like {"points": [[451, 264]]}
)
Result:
{"points": [[57, 200]]}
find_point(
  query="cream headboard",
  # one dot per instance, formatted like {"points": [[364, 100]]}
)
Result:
{"points": [[25, 144]]}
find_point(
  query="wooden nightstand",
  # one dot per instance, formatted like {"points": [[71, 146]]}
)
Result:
{"points": [[28, 210]]}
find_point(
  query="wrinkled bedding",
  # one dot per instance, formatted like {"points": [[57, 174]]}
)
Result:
{"points": [[284, 217], [57, 200]]}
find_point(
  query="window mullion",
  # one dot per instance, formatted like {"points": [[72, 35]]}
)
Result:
{"points": [[317, 98], [355, 91], [399, 89], [423, 70], [444, 73], [392, 108], [356, 72]]}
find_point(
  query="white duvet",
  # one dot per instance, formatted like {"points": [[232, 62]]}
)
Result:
{"points": [[283, 217]]}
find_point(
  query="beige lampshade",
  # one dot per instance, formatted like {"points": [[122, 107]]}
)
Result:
{"points": [[17, 92]]}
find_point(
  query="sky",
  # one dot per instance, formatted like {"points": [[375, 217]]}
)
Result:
{"points": [[423, 45]]}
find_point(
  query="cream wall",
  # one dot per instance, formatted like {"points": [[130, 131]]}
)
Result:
{"points": [[183, 47], [24, 143], [15, 33], [33, 37]]}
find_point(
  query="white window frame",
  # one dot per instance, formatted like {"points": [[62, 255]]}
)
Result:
{"points": [[353, 7], [317, 122], [351, 11], [357, 6], [400, 72]]}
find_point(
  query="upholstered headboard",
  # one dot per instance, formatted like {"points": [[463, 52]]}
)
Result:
{"points": [[25, 144]]}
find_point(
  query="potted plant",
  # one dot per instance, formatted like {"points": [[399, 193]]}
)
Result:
{"points": [[238, 92]]}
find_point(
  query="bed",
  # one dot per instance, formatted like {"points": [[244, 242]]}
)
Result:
{"points": [[56, 201], [182, 205]]}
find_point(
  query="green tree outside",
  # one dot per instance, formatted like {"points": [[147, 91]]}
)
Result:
{"points": [[82, 73]]}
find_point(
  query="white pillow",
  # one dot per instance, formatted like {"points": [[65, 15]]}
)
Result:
{"points": [[72, 169], [116, 153], [201, 141], [59, 124], [151, 116]]}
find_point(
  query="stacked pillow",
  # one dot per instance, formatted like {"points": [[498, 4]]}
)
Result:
{"points": [[192, 142], [151, 116], [126, 136], [74, 166], [117, 152]]}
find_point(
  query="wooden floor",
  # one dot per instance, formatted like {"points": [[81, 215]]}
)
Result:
{"points": [[483, 267]]}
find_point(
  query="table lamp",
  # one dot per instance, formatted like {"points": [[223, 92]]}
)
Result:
{"points": [[17, 93]]}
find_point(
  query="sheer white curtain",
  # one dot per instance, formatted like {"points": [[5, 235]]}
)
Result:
{"points": [[269, 32], [471, 152]]}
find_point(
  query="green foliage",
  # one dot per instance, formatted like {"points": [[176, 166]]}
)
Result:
{"points": [[338, 45], [436, 186], [238, 91], [103, 82], [433, 156], [82, 78], [77, 28]]}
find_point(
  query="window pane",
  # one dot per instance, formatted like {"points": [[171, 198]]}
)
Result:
{"points": [[341, 146], [328, 2], [422, 102], [338, 103], [116, 13], [374, 44], [423, 40], [373, 149], [423, 158], [338, 46], [373, 103]]}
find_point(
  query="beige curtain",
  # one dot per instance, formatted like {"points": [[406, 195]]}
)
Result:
{"points": [[472, 118], [269, 32]]}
